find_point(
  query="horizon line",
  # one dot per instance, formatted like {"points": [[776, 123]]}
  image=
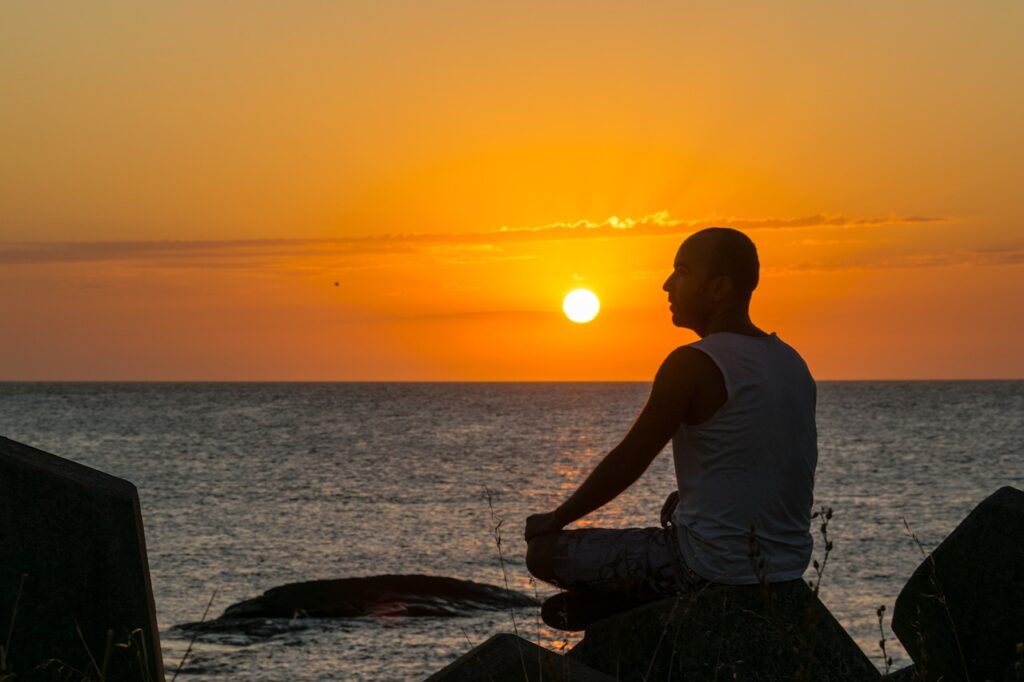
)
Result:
{"points": [[466, 381]]}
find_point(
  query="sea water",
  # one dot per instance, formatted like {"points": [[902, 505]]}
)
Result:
{"points": [[247, 486]]}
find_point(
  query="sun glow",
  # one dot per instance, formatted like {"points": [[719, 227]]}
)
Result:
{"points": [[581, 305]]}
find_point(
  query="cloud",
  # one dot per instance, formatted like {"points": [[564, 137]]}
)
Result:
{"points": [[959, 258], [232, 253], [453, 247], [485, 315], [661, 223]]}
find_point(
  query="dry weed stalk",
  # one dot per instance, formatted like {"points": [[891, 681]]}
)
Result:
{"points": [[192, 641], [488, 493], [825, 514], [5, 650], [886, 658], [940, 597]]}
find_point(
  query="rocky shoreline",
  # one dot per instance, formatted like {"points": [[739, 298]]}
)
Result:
{"points": [[75, 591]]}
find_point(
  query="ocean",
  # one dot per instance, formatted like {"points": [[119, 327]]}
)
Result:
{"points": [[248, 486]]}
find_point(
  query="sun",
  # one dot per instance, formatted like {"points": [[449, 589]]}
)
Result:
{"points": [[581, 305]]}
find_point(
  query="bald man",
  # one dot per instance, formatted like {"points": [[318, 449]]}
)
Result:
{"points": [[739, 408]]}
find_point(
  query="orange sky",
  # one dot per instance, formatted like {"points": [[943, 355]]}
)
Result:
{"points": [[181, 185]]}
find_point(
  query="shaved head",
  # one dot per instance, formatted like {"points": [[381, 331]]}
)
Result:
{"points": [[729, 252]]}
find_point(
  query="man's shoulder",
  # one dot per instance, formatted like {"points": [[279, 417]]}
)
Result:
{"points": [[692, 365], [694, 381], [691, 357]]}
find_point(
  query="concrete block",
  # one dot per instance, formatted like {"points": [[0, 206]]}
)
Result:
{"points": [[74, 578], [781, 632], [960, 614]]}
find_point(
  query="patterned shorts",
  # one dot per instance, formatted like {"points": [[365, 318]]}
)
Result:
{"points": [[644, 562]]}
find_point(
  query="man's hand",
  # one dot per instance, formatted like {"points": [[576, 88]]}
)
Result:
{"points": [[541, 524], [670, 506]]}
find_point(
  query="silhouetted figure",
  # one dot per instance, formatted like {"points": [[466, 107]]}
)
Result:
{"points": [[739, 407]]}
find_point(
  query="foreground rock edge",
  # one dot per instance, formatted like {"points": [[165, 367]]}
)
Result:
{"points": [[958, 616], [509, 658], [74, 581], [779, 633]]}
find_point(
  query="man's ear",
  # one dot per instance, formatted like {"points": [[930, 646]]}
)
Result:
{"points": [[721, 287]]}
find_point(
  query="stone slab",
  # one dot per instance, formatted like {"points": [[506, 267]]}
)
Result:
{"points": [[782, 632], [508, 658], [73, 569], [960, 614]]}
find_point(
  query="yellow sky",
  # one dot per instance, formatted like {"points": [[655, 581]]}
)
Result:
{"points": [[181, 185]]}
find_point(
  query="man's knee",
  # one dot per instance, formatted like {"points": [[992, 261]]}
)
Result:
{"points": [[540, 556]]}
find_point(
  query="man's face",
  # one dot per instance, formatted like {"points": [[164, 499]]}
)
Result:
{"points": [[687, 285]]}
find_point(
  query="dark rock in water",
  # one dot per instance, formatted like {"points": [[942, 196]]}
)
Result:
{"points": [[72, 568], [379, 595], [782, 632], [960, 614], [507, 658], [242, 631]]}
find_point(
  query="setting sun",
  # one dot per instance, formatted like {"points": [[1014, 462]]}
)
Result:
{"points": [[581, 305]]}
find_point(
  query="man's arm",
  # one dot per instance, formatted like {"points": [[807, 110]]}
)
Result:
{"points": [[673, 390]]}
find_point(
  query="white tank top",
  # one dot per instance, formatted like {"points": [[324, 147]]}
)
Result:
{"points": [[750, 465]]}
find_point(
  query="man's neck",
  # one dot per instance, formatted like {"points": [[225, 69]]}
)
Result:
{"points": [[736, 321]]}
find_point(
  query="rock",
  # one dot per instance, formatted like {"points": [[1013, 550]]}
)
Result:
{"points": [[508, 658], [244, 631], [782, 632], [73, 568], [959, 615], [383, 595]]}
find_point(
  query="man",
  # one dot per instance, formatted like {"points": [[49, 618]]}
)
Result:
{"points": [[739, 407]]}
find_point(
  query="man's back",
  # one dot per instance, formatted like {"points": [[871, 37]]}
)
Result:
{"points": [[749, 465]]}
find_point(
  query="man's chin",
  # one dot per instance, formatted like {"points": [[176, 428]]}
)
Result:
{"points": [[681, 322]]}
